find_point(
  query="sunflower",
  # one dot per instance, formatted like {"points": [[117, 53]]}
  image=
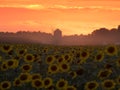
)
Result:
{"points": [[61, 84], [99, 57], [37, 83], [26, 68], [11, 53], [47, 82], [64, 67], [84, 55], [79, 61], [66, 57], [13, 63], [50, 59], [37, 57], [10, 63], [73, 51], [35, 76], [24, 77], [56, 56], [21, 52], [52, 87], [17, 82], [4, 66], [104, 73], [5, 85], [73, 74], [92, 85], [29, 58], [6, 48], [60, 59], [70, 88], [108, 84], [111, 50], [45, 50], [53, 68]]}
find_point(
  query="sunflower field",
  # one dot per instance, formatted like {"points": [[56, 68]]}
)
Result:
{"points": [[47, 67]]}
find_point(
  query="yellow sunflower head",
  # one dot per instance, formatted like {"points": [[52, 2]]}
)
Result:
{"points": [[5, 85], [84, 54], [104, 73], [92, 85], [99, 57], [17, 82], [6, 48], [108, 84], [13, 63], [45, 50], [35, 76], [60, 59], [29, 58], [21, 52], [50, 59], [47, 82], [25, 77], [64, 67], [61, 84], [26, 68], [37, 83], [73, 74], [4, 66], [53, 68], [111, 50], [66, 56]]}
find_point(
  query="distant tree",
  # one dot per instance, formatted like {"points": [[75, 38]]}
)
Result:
{"points": [[101, 31], [113, 30], [118, 27]]}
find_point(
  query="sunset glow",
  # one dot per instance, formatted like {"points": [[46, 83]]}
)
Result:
{"points": [[71, 16]]}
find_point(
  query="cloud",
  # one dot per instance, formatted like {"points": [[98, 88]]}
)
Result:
{"points": [[34, 6], [59, 6], [89, 7]]}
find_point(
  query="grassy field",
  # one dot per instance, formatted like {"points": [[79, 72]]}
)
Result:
{"points": [[47, 67]]}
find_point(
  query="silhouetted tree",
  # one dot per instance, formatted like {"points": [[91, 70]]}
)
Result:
{"points": [[119, 27], [99, 36], [101, 32]]}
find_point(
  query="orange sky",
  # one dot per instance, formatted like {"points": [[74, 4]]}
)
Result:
{"points": [[71, 16]]}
